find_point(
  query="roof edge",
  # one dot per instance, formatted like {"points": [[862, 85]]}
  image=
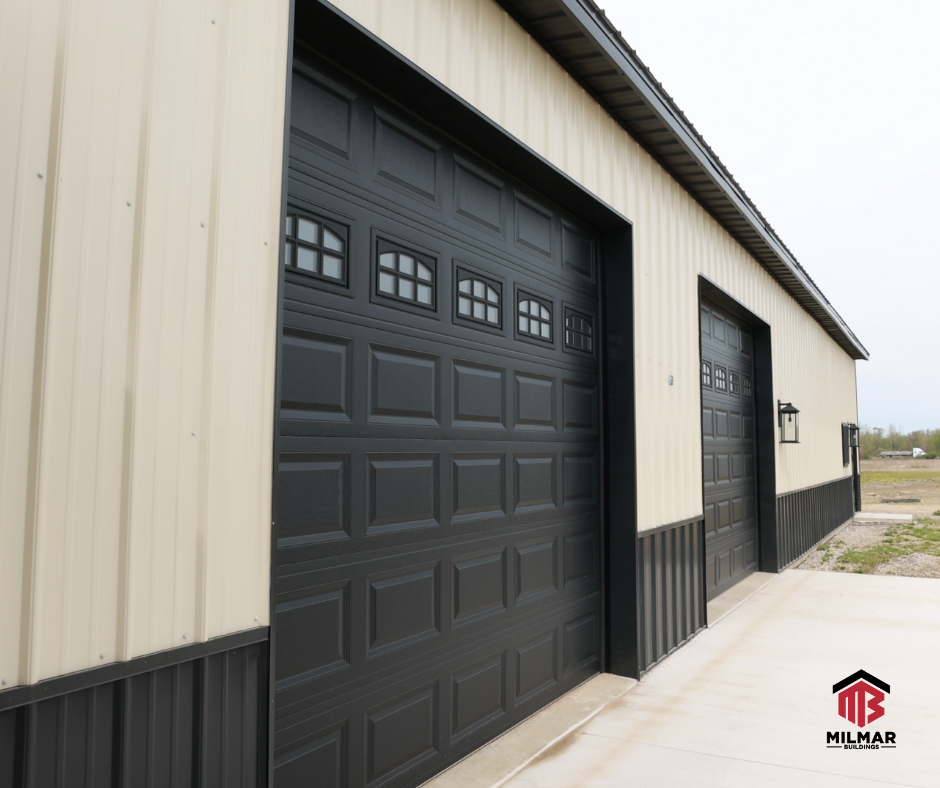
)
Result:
{"points": [[593, 23]]}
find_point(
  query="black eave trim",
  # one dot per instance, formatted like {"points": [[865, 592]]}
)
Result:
{"points": [[861, 674], [84, 679]]}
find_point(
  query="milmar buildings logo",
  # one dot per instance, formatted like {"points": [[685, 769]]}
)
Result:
{"points": [[860, 698]]}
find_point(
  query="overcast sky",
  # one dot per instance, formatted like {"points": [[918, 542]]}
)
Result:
{"points": [[828, 116]]}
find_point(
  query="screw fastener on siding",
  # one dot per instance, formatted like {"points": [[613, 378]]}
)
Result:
{"points": [[3, 682]]}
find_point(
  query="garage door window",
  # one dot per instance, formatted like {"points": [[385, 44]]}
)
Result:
{"points": [[316, 246], [406, 276], [579, 332], [478, 299], [535, 318]]}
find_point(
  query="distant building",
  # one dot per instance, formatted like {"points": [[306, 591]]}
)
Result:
{"points": [[891, 455]]}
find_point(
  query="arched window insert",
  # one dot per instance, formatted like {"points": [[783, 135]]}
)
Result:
{"points": [[721, 378], [579, 333], [535, 319], [735, 383], [316, 246], [747, 386], [706, 374], [478, 300], [404, 275]]}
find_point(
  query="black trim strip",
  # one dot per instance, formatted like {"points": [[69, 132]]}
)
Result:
{"points": [[813, 486], [669, 526], [84, 679]]}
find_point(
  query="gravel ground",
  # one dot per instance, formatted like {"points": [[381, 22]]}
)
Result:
{"points": [[861, 537], [854, 537], [915, 565]]}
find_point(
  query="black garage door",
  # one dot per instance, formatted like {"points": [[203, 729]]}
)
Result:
{"points": [[728, 462], [438, 496]]}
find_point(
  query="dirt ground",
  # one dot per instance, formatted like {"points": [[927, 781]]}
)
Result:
{"points": [[927, 489], [909, 550]]}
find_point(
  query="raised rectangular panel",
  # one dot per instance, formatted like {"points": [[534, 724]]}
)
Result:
{"points": [[579, 406], [748, 427], [478, 694], [534, 482], [404, 386], [535, 664], [313, 499], [404, 607], [723, 569], [750, 549], [722, 467], [737, 511], [735, 427], [750, 507], [535, 402], [479, 396], [405, 157], [737, 559], [737, 466], [706, 323], [724, 515], [402, 492], [721, 423], [581, 556], [477, 195], [711, 577], [749, 468], [322, 113], [479, 486], [579, 474], [479, 585], [708, 469], [708, 422], [401, 734], [711, 519], [731, 336], [577, 251], [535, 570], [313, 634], [580, 642], [323, 754], [533, 227], [316, 376], [718, 328]]}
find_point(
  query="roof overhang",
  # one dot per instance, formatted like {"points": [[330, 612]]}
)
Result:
{"points": [[581, 38]]}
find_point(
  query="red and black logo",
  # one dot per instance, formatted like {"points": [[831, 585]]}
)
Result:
{"points": [[860, 699]]}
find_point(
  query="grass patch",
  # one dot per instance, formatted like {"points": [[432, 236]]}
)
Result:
{"points": [[887, 477], [922, 537]]}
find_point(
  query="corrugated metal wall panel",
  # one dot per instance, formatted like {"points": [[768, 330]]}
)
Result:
{"points": [[197, 723], [671, 605], [485, 57], [140, 179]]}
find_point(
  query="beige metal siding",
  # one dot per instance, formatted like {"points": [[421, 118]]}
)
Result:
{"points": [[478, 51], [140, 175]]}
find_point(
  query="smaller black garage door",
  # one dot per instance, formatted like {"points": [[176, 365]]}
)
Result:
{"points": [[728, 450]]}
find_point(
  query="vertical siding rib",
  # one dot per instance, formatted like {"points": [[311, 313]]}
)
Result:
{"points": [[140, 172], [671, 604]]}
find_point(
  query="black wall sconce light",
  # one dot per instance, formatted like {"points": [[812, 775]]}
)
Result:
{"points": [[853, 435], [788, 418]]}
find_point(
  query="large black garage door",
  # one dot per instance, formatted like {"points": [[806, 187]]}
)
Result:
{"points": [[728, 462], [438, 497]]}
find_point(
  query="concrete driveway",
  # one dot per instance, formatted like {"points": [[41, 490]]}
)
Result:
{"points": [[749, 701]]}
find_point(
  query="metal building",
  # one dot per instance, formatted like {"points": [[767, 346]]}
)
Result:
{"points": [[371, 374]]}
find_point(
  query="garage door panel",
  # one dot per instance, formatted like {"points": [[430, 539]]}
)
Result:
{"points": [[728, 446], [438, 527]]}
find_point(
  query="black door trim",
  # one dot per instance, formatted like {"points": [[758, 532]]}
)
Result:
{"points": [[764, 417]]}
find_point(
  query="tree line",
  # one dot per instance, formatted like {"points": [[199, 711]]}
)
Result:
{"points": [[874, 440]]}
